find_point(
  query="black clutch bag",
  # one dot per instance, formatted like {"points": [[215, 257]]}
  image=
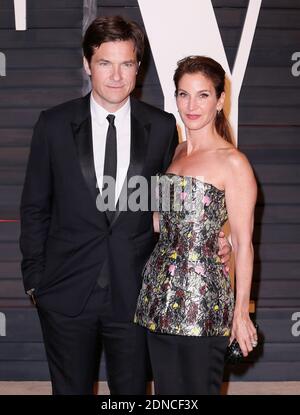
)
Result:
{"points": [[234, 353]]}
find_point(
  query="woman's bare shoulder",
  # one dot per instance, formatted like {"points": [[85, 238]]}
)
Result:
{"points": [[180, 147], [237, 166], [235, 158]]}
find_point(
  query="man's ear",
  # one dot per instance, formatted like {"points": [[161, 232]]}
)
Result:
{"points": [[86, 66]]}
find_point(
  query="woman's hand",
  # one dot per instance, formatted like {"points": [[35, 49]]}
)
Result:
{"points": [[156, 222], [244, 332], [224, 250]]}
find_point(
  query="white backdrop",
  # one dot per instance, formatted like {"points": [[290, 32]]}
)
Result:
{"points": [[190, 27]]}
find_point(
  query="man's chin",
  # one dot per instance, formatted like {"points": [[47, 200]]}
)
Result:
{"points": [[114, 99], [117, 99]]}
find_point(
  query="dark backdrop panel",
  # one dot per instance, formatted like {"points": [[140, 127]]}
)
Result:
{"points": [[44, 68]]}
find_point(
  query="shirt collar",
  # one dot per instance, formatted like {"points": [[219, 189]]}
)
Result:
{"points": [[99, 113]]}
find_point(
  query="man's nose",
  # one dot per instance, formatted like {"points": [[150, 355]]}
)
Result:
{"points": [[116, 73]]}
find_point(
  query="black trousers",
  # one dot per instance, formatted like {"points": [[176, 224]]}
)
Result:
{"points": [[184, 365], [74, 345]]}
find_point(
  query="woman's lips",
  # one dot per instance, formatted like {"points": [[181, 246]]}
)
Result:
{"points": [[193, 116]]}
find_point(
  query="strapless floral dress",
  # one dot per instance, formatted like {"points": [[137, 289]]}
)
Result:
{"points": [[186, 290]]}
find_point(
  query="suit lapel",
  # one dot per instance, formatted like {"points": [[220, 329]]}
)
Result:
{"points": [[140, 129], [82, 133]]}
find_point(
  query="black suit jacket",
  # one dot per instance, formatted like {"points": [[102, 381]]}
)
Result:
{"points": [[65, 239]]}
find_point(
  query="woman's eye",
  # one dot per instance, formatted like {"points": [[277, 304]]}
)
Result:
{"points": [[182, 94], [203, 96]]}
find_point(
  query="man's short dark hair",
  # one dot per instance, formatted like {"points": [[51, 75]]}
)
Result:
{"points": [[112, 29]]}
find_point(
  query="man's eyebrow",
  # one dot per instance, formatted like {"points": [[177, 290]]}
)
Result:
{"points": [[102, 60], [108, 61]]}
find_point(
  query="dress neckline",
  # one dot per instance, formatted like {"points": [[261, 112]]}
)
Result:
{"points": [[193, 178]]}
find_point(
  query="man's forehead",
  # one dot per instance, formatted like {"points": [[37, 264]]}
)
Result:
{"points": [[116, 48]]}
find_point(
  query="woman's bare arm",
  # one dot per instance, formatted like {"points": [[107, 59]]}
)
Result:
{"points": [[241, 193]]}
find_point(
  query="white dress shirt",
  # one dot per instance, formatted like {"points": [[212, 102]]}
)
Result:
{"points": [[99, 130]]}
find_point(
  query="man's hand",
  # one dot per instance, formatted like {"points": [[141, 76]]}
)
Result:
{"points": [[31, 295], [224, 250]]}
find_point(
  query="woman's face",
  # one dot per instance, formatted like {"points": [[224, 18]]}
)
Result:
{"points": [[197, 102]]}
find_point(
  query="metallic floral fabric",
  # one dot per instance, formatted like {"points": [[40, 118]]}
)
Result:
{"points": [[185, 289]]}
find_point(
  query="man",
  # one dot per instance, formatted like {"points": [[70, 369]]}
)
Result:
{"points": [[82, 266]]}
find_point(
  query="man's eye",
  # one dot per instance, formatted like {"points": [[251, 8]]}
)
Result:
{"points": [[128, 64]]}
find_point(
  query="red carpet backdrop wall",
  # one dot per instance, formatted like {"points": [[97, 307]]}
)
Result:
{"points": [[42, 67]]}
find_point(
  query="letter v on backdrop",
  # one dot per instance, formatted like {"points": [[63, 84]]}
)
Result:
{"points": [[177, 28], [20, 14]]}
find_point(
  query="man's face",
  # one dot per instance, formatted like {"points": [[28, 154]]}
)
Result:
{"points": [[113, 70]]}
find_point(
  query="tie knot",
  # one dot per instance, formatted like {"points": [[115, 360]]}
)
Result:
{"points": [[111, 118]]}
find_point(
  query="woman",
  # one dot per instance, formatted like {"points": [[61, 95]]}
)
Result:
{"points": [[186, 300]]}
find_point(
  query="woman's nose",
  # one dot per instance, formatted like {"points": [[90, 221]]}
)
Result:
{"points": [[192, 104]]}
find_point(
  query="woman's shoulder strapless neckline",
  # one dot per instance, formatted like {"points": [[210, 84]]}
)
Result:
{"points": [[191, 178]]}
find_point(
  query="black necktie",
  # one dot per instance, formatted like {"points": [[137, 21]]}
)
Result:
{"points": [[110, 162]]}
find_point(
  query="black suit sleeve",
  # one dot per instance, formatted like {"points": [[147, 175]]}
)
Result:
{"points": [[173, 142], [36, 207]]}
